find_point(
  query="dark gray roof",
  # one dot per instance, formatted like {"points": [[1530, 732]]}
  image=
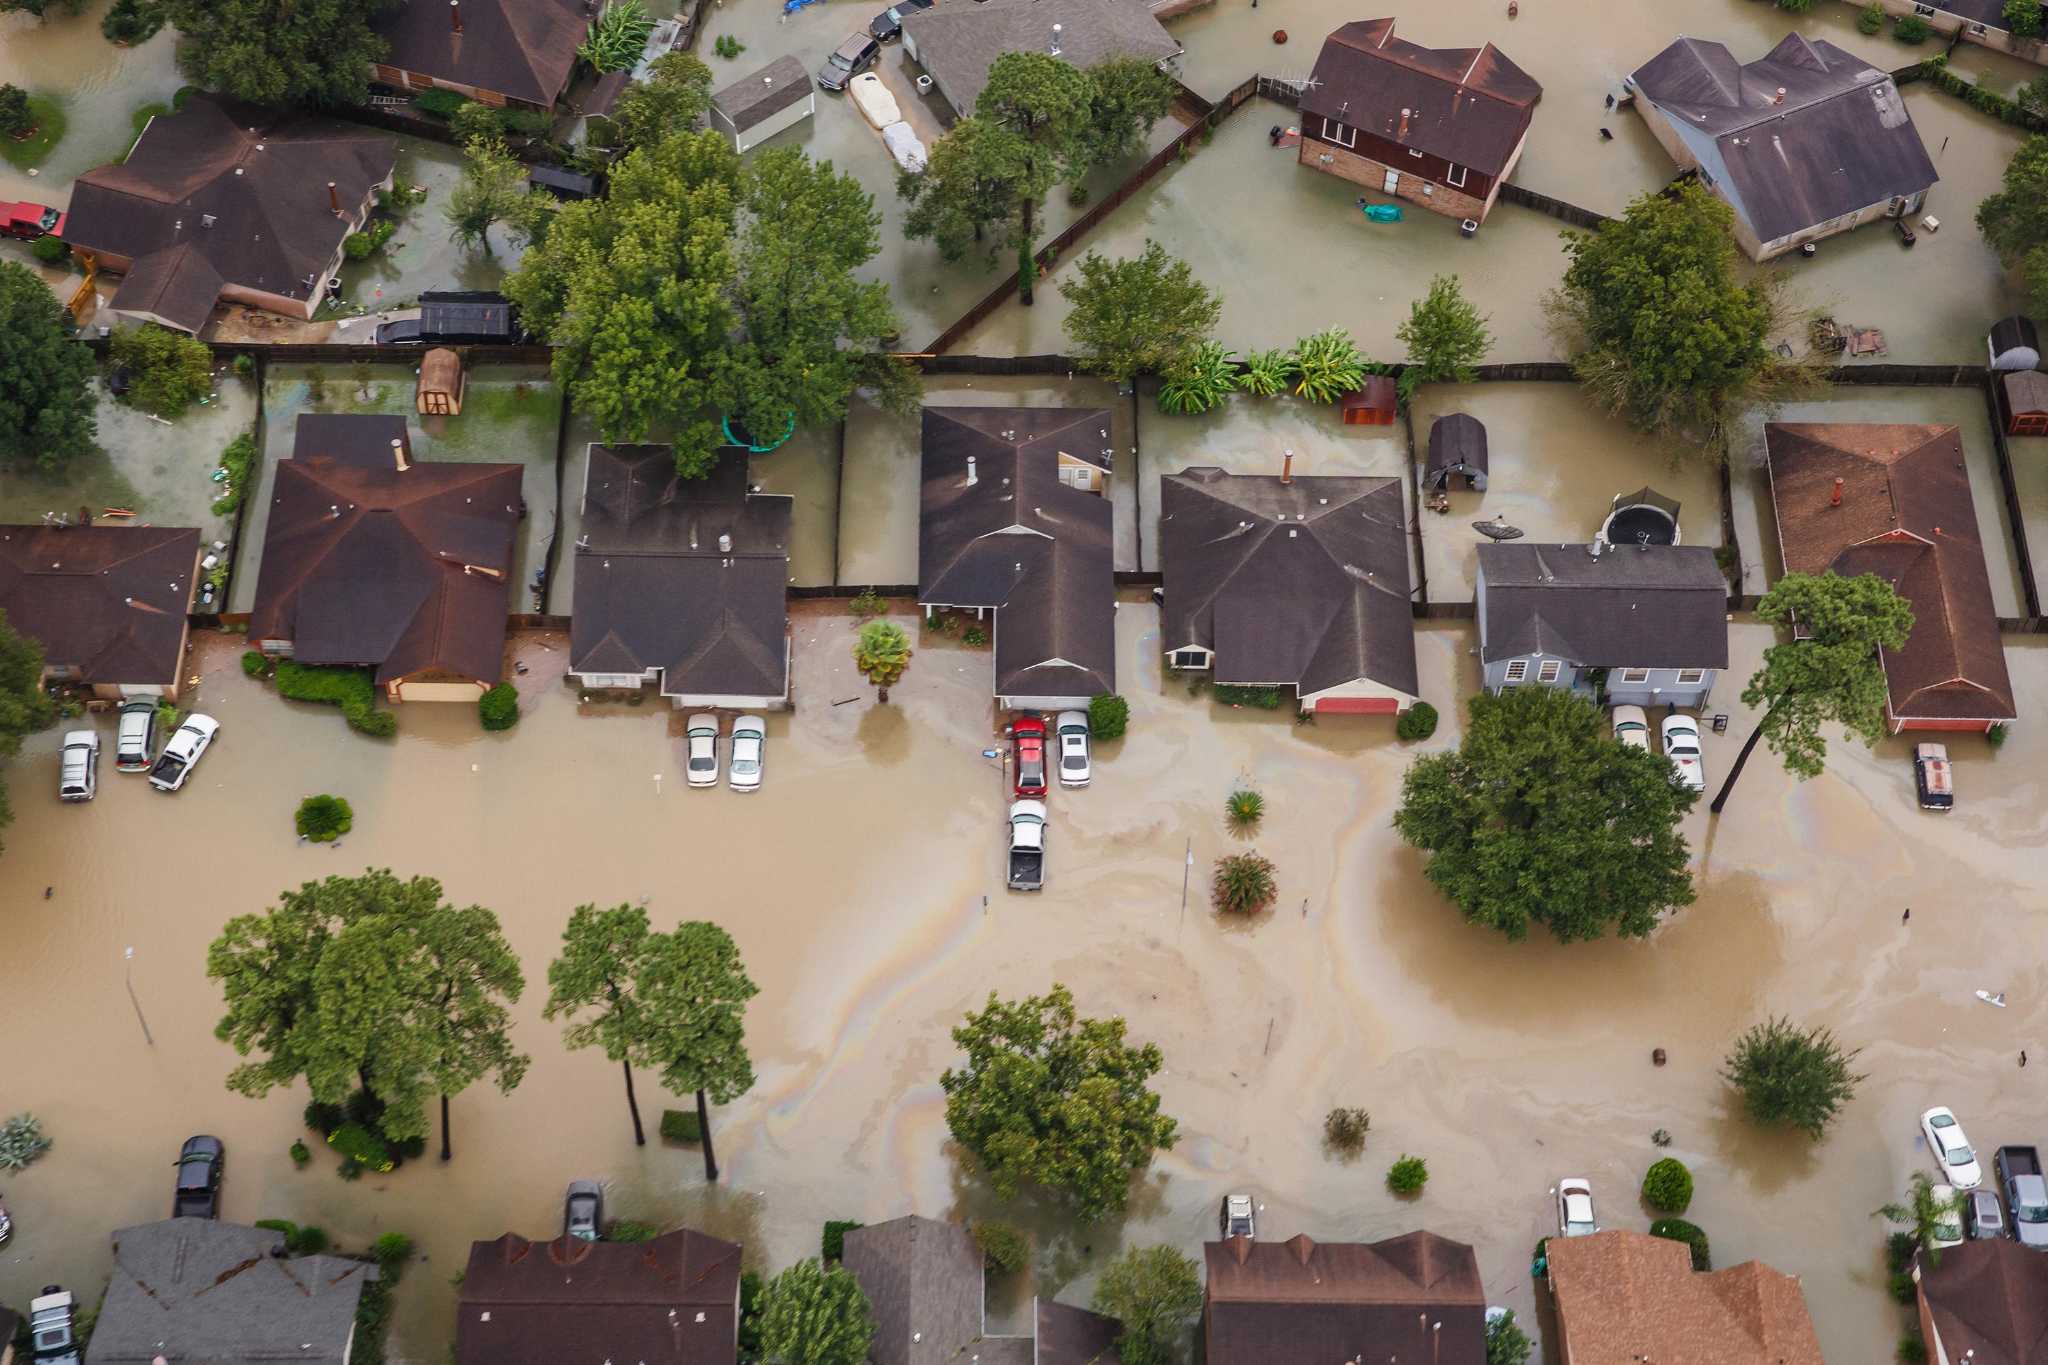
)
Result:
{"points": [[655, 590], [1074, 1336], [1468, 105], [1838, 139], [524, 49], [760, 95], [957, 43], [2014, 333], [924, 1281], [1990, 13], [1665, 606], [1302, 583], [208, 1293], [671, 1301], [1018, 539], [1457, 440]]}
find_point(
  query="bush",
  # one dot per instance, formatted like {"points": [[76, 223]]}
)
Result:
{"points": [[15, 116], [1417, 722], [1901, 1286], [728, 46], [21, 1141], [168, 371], [324, 1118], [255, 663], [364, 720], [1244, 810], [391, 1251], [1345, 1129], [1506, 1343], [237, 457], [1201, 380], [301, 1154], [305, 1241], [1898, 1251], [1667, 1186], [245, 365], [974, 637], [323, 819], [132, 21], [49, 250], [1678, 1230], [1077, 194], [1108, 716], [681, 1125], [751, 1285], [833, 1244], [348, 688], [1870, 18], [1795, 6], [498, 708], [1912, 1349], [283, 1225], [439, 103], [1243, 884], [1264, 698], [1003, 1246], [1408, 1175], [867, 602], [1912, 30], [361, 1150], [1995, 736], [626, 1230], [360, 245]]}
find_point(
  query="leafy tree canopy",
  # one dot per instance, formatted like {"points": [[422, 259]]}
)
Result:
{"points": [[675, 95], [1445, 336], [492, 190], [167, 371], [968, 192], [1127, 96], [1541, 816], [814, 1316], [1138, 315], [2015, 220], [1833, 676], [1791, 1077], [280, 52], [46, 400], [24, 707], [1154, 1293], [693, 991]]}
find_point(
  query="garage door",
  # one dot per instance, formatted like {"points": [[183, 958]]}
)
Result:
{"points": [[1358, 706]]}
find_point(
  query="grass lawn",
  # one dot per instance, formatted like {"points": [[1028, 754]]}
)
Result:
{"points": [[24, 152]]}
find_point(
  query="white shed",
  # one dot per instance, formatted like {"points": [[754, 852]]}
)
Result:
{"points": [[757, 107]]}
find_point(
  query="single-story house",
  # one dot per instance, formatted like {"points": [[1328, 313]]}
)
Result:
{"points": [[1439, 127], [1856, 498], [1983, 22], [375, 560], [2023, 398], [1416, 1297], [1278, 581], [1626, 1297], [1653, 618], [228, 201], [200, 1290], [762, 103], [499, 52], [1985, 1304], [956, 44], [681, 582], [107, 604], [1006, 526], [672, 1301], [1457, 450], [1805, 142]]}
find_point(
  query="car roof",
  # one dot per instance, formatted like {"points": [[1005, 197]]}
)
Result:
{"points": [[855, 44], [1032, 808], [1939, 1111], [753, 725]]}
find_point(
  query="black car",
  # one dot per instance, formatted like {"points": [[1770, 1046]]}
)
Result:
{"points": [[889, 23], [199, 1167], [403, 332], [848, 60]]}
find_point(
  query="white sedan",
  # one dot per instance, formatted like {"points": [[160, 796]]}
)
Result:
{"points": [[181, 753], [749, 741], [1072, 727], [1952, 1150], [1682, 747], [1632, 727], [1948, 1229], [702, 764], [1575, 1207]]}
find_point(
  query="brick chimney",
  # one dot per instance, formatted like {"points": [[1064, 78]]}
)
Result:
{"points": [[1835, 497], [1287, 467], [455, 16], [333, 198], [1402, 136]]}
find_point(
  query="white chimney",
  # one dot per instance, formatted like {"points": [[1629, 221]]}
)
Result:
{"points": [[1599, 544], [972, 478], [724, 544], [398, 455], [1055, 40]]}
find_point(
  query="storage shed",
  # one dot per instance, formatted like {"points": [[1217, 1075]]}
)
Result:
{"points": [[757, 107], [1371, 404], [2025, 398], [1457, 450], [2015, 345], [1644, 517], [561, 182], [441, 383]]}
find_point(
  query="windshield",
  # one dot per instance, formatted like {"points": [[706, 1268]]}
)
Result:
{"points": [[2031, 1213], [842, 61]]}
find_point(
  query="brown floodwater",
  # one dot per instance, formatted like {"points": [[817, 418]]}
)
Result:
{"points": [[863, 885]]}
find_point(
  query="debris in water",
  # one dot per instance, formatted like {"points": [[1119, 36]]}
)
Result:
{"points": [[1988, 998]]}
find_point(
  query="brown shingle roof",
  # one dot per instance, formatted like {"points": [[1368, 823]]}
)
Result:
{"points": [[958, 43], [671, 1301], [1623, 1297], [401, 571], [1468, 105], [1990, 1297], [106, 601], [1305, 1301], [523, 49], [1905, 515]]}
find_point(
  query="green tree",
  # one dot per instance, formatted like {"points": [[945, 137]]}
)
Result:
{"points": [[280, 52], [693, 992], [814, 1316], [1541, 816], [1127, 96], [24, 706], [1923, 1214], [1055, 1099], [1446, 338], [881, 651], [374, 982], [16, 118], [1506, 1343], [474, 121], [675, 95], [167, 371], [1832, 676], [968, 192], [1154, 1293], [2023, 18], [594, 985], [2033, 96], [46, 401], [492, 190], [130, 22], [1047, 103], [1661, 328], [1137, 315], [2015, 220], [1791, 1078]]}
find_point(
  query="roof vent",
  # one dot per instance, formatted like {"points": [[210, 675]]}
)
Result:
{"points": [[206, 220], [1055, 48], [724, 544], [238, 170]]}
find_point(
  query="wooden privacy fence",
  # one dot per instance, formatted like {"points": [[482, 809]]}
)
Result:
{"points": [[1556, 208]]}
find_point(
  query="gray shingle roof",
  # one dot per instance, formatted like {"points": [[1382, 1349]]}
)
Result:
{"points": [[923, 1278], [1663, 606], [957, 43], [760, 95]]}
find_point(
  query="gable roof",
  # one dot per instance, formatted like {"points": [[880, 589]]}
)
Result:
{"points": [[671, 1301], [1468, 105], [224, 193], [957, 44], [924, 1281], [2025, 391], [203, 1292], [401, 571], [1990, 1297], [1906, 515], [1018, 539], [523, 49], [1067, 1335], [1806, 133], [1302, 583], [106, 601], [1627, 1296], [1655, 606], [655, 590], [760, 95], [1301, 1300]]}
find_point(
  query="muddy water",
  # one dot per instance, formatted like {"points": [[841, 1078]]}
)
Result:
{"points": [[1506, 1065], [100, 86]]}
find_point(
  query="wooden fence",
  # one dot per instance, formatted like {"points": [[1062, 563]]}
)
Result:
{"points": [[1556, 208]]}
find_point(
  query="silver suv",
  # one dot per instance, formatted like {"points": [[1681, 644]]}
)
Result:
{"points": [[135, 737], [78, 775]]}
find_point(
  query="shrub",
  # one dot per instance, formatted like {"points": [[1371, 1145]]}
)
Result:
{"points": [[1264, 373], [1912, 1349], [1898, 1251], [323, 819], [1870, 18], [1901, 1287], [283, 1225], [1077, 194], [305, 1241], [237, 457], [1795, 6], [751, 1285], [255, 663], [867, 602], [324, 1118], [391, 1251], [728, 46], [1678, 1230], [359, 245], [1244, 810], [49, 250], [626, 1230], [367, 721], [1506, 1343], [1243, 884], [1417, 722], [168, 371], [21, 1141], [1408, 1175], [1660, 1137], [132, 21], [498, 708], [1264, 698], [245, 365], [1667, 1186], [1108, 716], [439, 103], [617, 36], [526, 122], [681, 1125], [1912, 30], [1995, 736], [1345, 1129], [974, 637], [833, 1244], [301, 1154], [1003, 1246], [1201, 381], [361, 1150], [16, 118], [1327, 365], [348, 688], [472, 121]]}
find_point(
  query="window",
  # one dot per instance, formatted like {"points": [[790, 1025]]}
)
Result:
{"points": [[1549, 671], [1190, 658], [1428, 189], [1691, 677], [1415, 152], [1518, 671], [1635, 675], [1924, 11], [1455, 177], [1336, 132]]}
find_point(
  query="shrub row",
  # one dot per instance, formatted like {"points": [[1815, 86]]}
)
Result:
{"points": [[1935, 71], [348, 688]]}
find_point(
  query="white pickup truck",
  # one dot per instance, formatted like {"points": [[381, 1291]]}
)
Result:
{"points": [[1027, 845]]}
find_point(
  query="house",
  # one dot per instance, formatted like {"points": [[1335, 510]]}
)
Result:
{"points": [[1895, 501], [107, 604], [1457, 451], [1986, 1303], [499, 52], [956, 44], [1415, 1297], [199, 1290], [375, 560], [1625, 1297], [227, 201], [1984, 22], [1278, 581], [1803, 143], [681, 582], [1438, 127], [1375, 403], [1006, 526], [672, 1301], [2023, 398], [762, 103], [1652, 618]]}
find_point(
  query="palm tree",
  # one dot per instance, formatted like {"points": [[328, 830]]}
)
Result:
{"points": [[882, 652], [1244, 884], [1244, 810], [1924, 1214]]}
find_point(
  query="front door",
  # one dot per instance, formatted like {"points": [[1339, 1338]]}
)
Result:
{"points": [[1393, 184]]}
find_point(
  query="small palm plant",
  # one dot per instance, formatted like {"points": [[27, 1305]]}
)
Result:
{"points": [[1200, 381], [1924, 1214], [1328, 365], [1265, 373], [1243, 884], [617, 36], [881, 652], [1244, 810]]}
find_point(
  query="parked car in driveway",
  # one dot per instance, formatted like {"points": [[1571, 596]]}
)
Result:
{"points": [[1953, 1154], [1948, 1228], [1027, 753], [1236, 1218], [1982, 1216], [848, 60], [78, 766], [2019, 1171], [135, 737], [749, 747], [52, 1328], [1575, 1216], [889, 23], [1072, 728], [1027, 845], [182, 752], [1682, 747], [196, 1193], [1933, 777], [701, 735], [1632, 727], [583, 1210], [27, 221]]}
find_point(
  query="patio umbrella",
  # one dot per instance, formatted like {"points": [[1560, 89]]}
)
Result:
{"points": [[1497, 530]]}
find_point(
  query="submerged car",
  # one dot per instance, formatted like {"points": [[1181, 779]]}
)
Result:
{"points": [[1575, 1207], [1027, 745], [889, 23], [848, 60], [1948, 1228], [1072, 728], [1952, 1151], [1682, 747], [78, 766], [702, 764], [196, 1193], [1983, 1216], [1236, 1218], [182, 752], [583, 1210], [1933, 776], [135, 737], [749, 746], [1632, 727]]}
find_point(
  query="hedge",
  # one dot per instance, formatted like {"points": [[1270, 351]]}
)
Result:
{"points": [[833, 1243], [1935, 71], [499, 707], [348, 688], [681, 1125], [1678, 1230]]}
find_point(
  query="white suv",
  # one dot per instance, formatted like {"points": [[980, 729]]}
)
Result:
{"points": [[78, 774]]}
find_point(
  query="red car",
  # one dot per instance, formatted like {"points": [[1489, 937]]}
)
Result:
{"points": [[30, 221], [1027, 742]]}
